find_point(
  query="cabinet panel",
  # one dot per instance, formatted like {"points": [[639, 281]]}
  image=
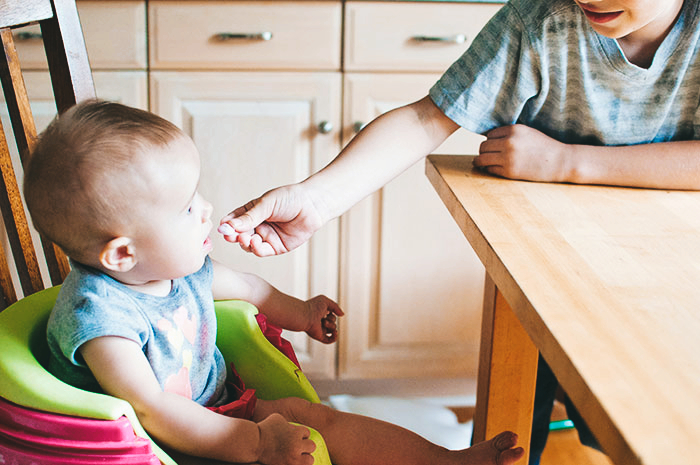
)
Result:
{"points": [[115, 36], [211, 34], [411, 283], [256, 131], [410, 36]]}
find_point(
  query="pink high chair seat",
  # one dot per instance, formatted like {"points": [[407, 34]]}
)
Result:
{"points": [[30, 436]]}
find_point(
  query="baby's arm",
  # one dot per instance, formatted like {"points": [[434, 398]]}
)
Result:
{"points": [[520, 152], [123, 371], [316, 316]]}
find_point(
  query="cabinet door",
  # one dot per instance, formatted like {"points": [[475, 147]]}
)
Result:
{"points": [[410, 283], [256, 131]]}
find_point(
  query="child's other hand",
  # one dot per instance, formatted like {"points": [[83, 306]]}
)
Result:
{"points": [[282, 443], [322, 313], [521, 152]]}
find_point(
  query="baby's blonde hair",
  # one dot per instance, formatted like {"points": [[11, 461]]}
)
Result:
{"points": [[84, 173]]}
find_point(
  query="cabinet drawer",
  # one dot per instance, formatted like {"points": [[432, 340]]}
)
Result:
{"points": [[115, 36], [397, 36], [245, 35]]}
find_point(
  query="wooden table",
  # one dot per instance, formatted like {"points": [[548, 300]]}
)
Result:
{"points": [[605, 283]]}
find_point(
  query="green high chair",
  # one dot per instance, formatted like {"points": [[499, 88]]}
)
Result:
{"points": [[29, 387]]}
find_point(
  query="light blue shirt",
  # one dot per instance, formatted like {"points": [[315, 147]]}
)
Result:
{"points": [[177, 333], [539, 63]]}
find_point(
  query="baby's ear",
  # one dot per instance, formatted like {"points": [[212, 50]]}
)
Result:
{"points": [[118, 255]]}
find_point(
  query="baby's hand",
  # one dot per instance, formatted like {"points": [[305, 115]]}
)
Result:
{"points": [[322, 317], [282, 443]]}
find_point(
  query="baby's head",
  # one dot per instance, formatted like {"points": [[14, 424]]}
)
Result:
{"points": [[104, 171]]}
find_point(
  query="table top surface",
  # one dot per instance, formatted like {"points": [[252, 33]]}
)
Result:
{"points": [[606, 281]]}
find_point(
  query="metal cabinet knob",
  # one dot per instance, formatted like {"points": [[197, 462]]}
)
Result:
{"points": [[324, 127]]}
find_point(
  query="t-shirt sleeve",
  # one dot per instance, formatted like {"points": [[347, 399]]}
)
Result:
{"points": [[85, 314], [489, 85], [92, 319]]}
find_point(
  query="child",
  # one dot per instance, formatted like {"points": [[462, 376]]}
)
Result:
{"points": [[590, 92], [116, 189]]}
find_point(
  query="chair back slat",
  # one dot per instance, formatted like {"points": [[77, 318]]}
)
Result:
{"points": [[66, 53], [16, 226], [72, 82], [25, 134], [8, 295], [16, 96], [16, 12]]}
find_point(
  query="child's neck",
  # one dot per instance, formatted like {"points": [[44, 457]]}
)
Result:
{"points": [[640, 55], [155, 288], [640, 46]]}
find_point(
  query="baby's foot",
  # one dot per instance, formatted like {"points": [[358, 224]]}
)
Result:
{"points": [[500, 450]]}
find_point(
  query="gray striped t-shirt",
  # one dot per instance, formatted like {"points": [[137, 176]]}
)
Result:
{"points": [[539, 63]]}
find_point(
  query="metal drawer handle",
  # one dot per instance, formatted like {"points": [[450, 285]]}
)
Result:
{"points": [[224, 36], [26, 35], [455, 39]]}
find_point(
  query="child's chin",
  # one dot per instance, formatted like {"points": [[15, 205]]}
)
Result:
{"points": [[208, 245]]}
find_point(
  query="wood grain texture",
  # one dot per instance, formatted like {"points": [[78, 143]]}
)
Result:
{"points": [[71, 76], [605, 282], [14, 12], [507, 373]]}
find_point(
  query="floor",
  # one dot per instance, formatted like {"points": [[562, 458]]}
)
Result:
{"points": [[564, 448]]}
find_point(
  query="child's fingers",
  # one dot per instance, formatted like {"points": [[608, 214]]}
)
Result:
{"points": [[307, 445], [329, 327], [333, 307]]}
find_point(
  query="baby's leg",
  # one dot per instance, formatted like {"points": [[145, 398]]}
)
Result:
{"points": [[359, 440]]}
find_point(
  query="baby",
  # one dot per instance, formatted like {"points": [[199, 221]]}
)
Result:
{"points": [[117, 189]]}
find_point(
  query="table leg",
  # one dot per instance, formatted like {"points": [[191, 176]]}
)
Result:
{"points": [[507, 373]]}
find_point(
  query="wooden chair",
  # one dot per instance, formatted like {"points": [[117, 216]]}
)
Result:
{"points": [[71, 79]]}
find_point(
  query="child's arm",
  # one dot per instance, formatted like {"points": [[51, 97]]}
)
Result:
{"points": [[316, 316], [123, 371], [520, 152], [286, 217]]}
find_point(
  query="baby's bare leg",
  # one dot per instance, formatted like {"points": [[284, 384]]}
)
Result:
{"points": [[359, 440]]}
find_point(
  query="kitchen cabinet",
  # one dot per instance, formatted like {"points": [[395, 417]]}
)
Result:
{"points": [[412, 286], [270, 91]]}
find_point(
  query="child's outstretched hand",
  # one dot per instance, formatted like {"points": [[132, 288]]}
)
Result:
{"points": [[322, 313], [282, 443]]}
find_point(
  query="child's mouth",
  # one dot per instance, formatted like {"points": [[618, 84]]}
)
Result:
{"points": [[599, 17], [207, 245]]}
